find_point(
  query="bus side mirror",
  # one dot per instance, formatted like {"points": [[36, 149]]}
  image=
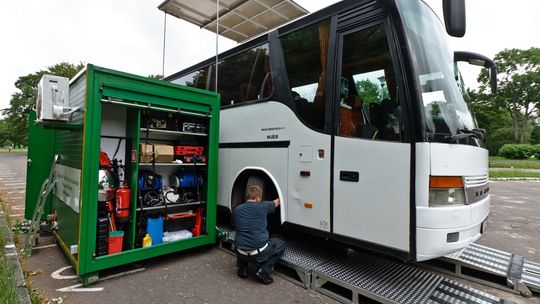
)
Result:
{"points": [[480, 60], [454, 17]]}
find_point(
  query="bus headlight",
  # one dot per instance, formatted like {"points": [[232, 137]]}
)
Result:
{"points": [[446, 191], [446, 197]]}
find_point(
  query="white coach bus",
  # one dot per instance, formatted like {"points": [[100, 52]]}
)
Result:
{"points": [[355, 117]]}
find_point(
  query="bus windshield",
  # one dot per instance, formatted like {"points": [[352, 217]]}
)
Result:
{"points": [[446, 112]]}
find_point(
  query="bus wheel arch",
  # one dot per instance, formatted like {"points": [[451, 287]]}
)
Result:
{"points": [[255, 176]]}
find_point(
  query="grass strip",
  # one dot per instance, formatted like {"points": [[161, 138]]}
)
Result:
{"points": [[513, 174], [501, 162], [8, 288], [13, 150]]}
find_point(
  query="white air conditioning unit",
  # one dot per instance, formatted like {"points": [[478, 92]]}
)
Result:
{"points": [[52, 102]]}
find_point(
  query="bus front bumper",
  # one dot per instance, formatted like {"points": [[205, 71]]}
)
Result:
{"points": [[443, 230]]}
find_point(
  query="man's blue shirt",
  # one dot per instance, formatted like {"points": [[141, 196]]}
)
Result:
{"points": [[250, 222]]}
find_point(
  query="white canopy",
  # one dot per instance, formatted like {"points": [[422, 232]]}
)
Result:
{"points": [[239, 20]]}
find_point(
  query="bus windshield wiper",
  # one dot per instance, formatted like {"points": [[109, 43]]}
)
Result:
{"points": [[463, 133]]}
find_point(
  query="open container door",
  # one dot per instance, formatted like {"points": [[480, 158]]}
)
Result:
{"points": [[38, 165]]}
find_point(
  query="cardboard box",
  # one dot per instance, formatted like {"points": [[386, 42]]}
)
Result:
{"points": [[145, 152], [162, 153]]}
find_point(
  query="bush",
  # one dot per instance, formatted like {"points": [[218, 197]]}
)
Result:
{"points": [[536, 151], [535, 135], [515, 151], [496, 138]]}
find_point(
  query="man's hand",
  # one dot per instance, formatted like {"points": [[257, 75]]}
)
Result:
{"points": [[276, 202]]}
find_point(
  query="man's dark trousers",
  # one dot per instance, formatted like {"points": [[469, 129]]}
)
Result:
{"points": [[266, 258]]}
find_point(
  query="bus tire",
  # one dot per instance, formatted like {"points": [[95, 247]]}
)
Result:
{"points": [[241, 185], [256, 180]]}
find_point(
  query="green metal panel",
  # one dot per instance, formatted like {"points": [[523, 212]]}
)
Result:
{"points": [[67, 221], [68, 144], [133, 132], [79, 149], [40, 157], [92, 125]]}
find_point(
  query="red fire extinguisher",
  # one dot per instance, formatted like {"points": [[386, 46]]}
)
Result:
{"points": [[123, 199]]}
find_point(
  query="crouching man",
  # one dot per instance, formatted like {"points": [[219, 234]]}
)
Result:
{"points": [[252, 241]]}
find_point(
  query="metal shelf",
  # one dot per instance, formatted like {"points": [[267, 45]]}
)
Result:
{"points": [[169, 132], [170, 206]]}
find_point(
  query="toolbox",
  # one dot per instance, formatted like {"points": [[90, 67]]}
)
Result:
{"points": [[188, 150]]}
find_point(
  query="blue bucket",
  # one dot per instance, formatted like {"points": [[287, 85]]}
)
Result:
{"points": [[154, 227]]}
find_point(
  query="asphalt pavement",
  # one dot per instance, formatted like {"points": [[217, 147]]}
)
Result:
{"points": [[13, 183], [203, 275], [208, 275], [514, 220]]}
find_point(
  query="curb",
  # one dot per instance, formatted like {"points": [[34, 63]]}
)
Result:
{"points": [[12, 258]]}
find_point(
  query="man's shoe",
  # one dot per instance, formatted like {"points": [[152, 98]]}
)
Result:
{"points": [[264, 277], [242, 271]]}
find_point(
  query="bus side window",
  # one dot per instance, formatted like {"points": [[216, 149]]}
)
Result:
{"points": [[196, 79], [367, 65], [244, 77], [306, 55]]}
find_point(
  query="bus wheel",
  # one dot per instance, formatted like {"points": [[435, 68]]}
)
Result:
{"points": [[241, 185], [255, 180], [269, 193]]}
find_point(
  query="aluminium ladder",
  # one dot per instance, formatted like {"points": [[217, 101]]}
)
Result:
{"points": [[44, 192]]}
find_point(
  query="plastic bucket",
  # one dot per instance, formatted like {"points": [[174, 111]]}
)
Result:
{"points": [[154, 227], [115, 241]]}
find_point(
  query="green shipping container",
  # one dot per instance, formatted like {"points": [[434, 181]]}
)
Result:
{"points": [[162, 141]]}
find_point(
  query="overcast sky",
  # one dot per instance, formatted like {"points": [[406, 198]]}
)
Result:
{"points": [[127, 35]]}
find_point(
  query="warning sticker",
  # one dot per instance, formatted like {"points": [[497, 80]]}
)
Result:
{"points": [[68, 185]]}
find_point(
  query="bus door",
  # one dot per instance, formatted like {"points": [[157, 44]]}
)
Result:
{"points": [[371, 159]]}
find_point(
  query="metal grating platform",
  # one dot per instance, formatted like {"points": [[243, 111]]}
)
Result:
{"points": [[389, 281], [378, 279], [393, 282], [503, 269], [351, 277], [302, 256], [303, 260]]}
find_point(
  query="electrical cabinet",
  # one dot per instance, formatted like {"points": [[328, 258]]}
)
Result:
{"points": [[137, 163]]}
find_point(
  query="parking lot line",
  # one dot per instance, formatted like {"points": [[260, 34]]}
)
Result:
{"points": [[14, 184]]}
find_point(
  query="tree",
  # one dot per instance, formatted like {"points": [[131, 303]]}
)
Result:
{"points": [[518, 87], [369, 91], [4, 134], [156, 76], [24, 101], [494, 119]]}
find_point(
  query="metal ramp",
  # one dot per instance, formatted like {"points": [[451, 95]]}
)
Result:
{"points": [[353, 277], [492, 267]]}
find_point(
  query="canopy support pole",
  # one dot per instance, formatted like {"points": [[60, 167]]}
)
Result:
{"points": [[217, 43], [164, 40]]}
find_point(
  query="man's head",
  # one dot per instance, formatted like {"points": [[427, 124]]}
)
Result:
{"points": [[254, 193]]}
